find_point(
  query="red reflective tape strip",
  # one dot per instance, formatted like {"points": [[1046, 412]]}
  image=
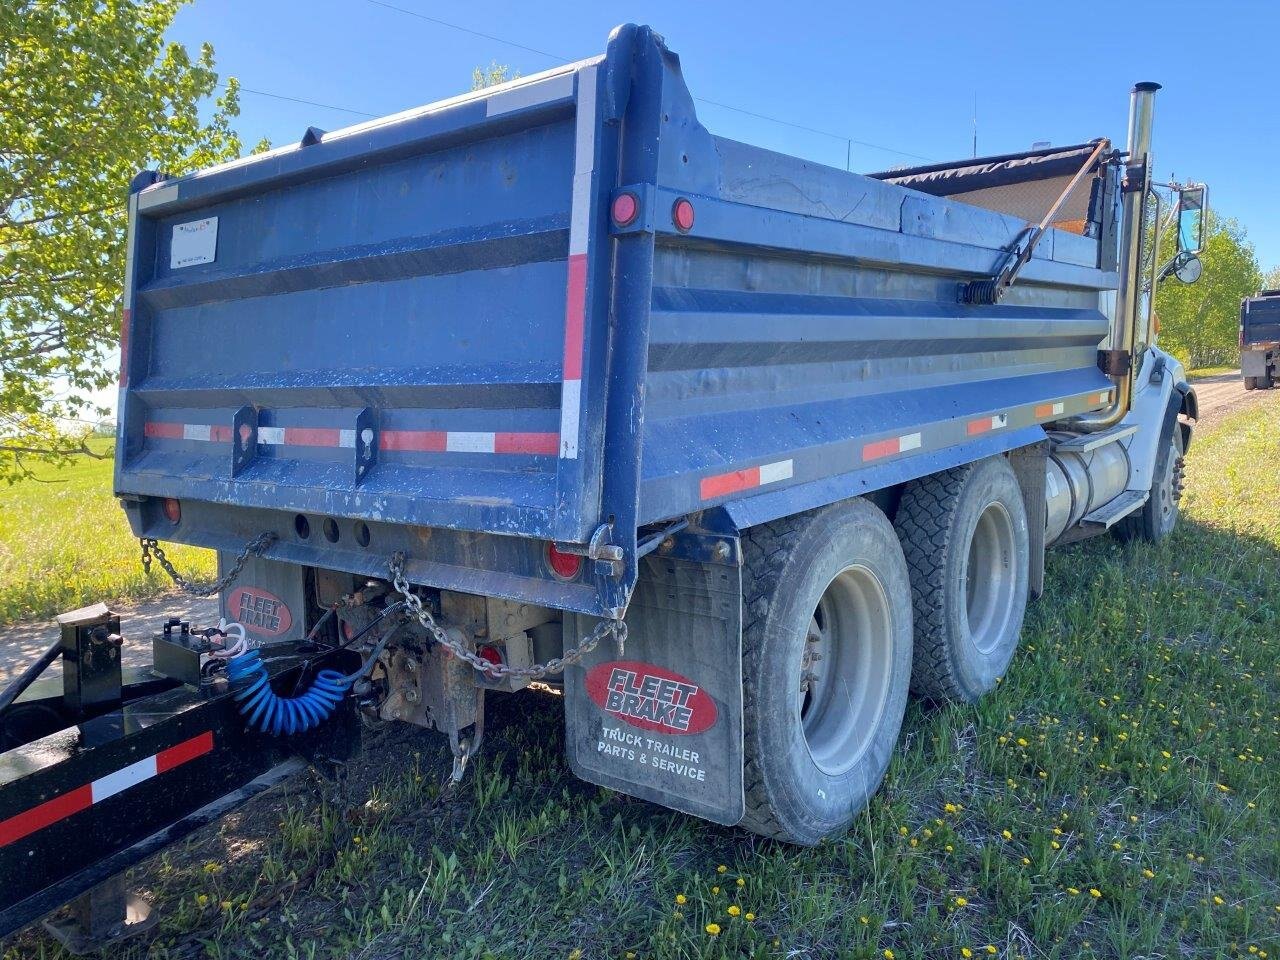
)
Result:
{"points": [[985, 424], [724, 483], [881, 448], [126, 322], [417, 441], [176, 756], [575, 316], [50, 812], [168, 431], [222, 434], [526, 443], [82, 798], [311, 437]]}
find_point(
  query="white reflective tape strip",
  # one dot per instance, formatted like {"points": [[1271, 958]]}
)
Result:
{"points": [[584, 153], [1104, 397], [346, 438], [570, 400], [530, 95], [130, 243], [773, 472], [910, 442], [272, 435], [131, 775], [999, 420], [154, 196], [1059, 407], [469, 442], [195, 431]]}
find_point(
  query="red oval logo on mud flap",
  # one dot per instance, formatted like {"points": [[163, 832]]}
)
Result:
{"points": [[650, 697], [259, 610]]}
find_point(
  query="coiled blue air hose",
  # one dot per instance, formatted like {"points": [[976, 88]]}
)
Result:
{"points": [[267, 711]]}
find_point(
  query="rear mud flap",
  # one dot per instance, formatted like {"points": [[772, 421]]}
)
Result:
{"points": [[663, 722], [269, 598]]}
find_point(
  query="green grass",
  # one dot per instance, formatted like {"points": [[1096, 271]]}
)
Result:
{"points": [[64, 542], [1117, 796]]}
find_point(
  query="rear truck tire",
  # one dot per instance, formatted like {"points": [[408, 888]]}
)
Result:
{"points": [[826, 651], [1251, 383], [1266, 383], [1159, 515], [964, 532]]}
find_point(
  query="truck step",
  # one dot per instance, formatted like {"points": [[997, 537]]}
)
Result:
{"points": [[1116, 510], [1085, 442]]}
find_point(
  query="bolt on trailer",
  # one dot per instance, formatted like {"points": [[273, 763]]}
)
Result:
{"points": [[549, 383]]}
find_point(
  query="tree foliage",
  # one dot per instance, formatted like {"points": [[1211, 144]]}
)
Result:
{"points": [[1199, 323], [90, 93], [492, 75]]}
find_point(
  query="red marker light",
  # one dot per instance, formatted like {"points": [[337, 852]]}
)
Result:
{"points": [[566, 566], [172, 510], [682, 215], [625, 209], [490, 653]]}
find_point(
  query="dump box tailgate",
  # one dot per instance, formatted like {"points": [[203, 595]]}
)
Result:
{"points": [[392, 322]]}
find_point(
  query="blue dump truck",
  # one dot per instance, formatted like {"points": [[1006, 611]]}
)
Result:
{"points": [[1260, 340], [547, 386]]}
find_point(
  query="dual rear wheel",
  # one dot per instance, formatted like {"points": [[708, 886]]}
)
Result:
{"points": [[838, 603]]}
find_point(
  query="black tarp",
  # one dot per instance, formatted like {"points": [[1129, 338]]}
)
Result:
{"points": [[982, 173]]}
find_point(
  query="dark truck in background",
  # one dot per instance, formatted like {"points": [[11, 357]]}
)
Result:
{"points": [[1260, 339]]}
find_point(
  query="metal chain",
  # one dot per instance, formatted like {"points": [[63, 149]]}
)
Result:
{"points": [[151, 547], [499, 671]]}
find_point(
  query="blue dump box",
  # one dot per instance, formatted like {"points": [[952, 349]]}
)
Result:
{"points": [[562, 309]]}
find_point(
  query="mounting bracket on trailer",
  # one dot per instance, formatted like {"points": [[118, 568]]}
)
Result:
{"points": [[991, 290]]}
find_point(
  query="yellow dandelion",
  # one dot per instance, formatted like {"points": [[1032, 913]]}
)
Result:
{"points": [[575, 953], [722, 869], [990, 948], [750, 917], [966, 952], [1095, 892], [202, 899], [1148, 873], [950, 808], [715, 890], [1073, 891], [888, 954], [713, 929], [681, 899], [864, 920], [1008, 835], [1218, 900], [1026, 861], [734, 910], [961, 902], [741, 882], [902, 831]]}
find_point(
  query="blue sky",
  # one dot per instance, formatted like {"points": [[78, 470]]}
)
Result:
{"points": [[904, 76]]}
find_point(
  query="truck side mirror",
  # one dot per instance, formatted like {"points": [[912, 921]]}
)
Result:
{"points": [[1191, 203]]}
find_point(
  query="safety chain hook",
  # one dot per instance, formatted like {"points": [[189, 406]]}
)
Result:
{"points": [[151, 549], [500, 671]]}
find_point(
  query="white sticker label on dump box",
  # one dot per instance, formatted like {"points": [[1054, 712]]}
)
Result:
{"points": [[194, 242]]}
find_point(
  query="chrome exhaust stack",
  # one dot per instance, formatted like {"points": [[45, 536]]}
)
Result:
{"points": [[1129, 297]]}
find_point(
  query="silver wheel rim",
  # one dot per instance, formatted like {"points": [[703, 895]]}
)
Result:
{"points": [[1167, 492], [845, 670], [990, 578]]}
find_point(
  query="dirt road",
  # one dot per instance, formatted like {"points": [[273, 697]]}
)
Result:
{"points": [[1224, 394]]}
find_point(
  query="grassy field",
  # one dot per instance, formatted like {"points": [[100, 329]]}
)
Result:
{"points": [[64, 542], [1117, 796]]}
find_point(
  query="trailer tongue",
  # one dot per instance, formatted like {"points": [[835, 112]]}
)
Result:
{"points": [[548, 383]]}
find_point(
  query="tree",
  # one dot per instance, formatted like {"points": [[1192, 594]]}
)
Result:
{"points": [[90, 93], [492, 75], [1199, 323], [1271, 279]]}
